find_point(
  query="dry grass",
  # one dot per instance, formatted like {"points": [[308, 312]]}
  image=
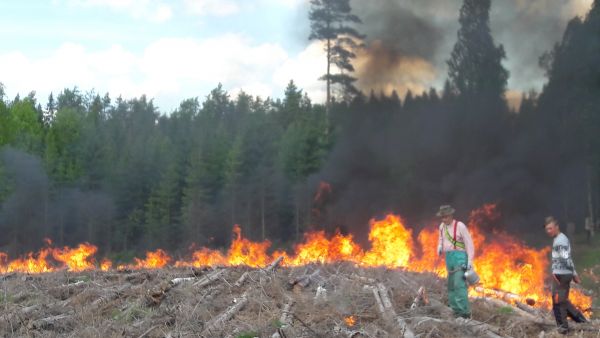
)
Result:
{"points": [[144, 303]]}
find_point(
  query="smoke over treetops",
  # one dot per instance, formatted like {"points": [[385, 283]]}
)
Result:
{"points": [[408, 42]]}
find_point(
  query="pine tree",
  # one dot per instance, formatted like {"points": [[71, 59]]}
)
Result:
{"points": [[331, 22], [475, 66]]}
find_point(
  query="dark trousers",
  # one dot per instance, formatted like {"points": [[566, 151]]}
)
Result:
{"points": [[561, 306]]}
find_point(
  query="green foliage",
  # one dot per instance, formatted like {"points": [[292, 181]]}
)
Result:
{"points": [[132, 313], [20, 125], [303, 147], [63, 141], [505, 310], [248, 335]]}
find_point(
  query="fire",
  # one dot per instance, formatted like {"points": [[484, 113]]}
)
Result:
{"points": [[350, 320], [318, 249], [77, 259], [392, 244], [244, 252], [502, 262], [154, 260], [105, 265]]}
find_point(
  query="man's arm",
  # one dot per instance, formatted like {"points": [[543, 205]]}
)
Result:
{"points": [[469, 246], [440, 239], [571, 263]]}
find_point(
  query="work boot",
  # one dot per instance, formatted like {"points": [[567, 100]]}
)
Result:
{"points": [[580, 318], [563, 330]]}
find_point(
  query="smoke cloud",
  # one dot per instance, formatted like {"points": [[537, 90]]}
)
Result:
{"points": [[414, 39]]}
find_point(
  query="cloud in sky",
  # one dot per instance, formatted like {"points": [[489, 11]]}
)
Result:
{"points": [[169, 69], [152, 10], [212, 7]]}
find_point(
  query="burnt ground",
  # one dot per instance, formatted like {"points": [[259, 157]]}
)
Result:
{"points": [[244, 302]]}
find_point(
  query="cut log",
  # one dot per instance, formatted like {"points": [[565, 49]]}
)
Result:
{"points": [[386, 309], [210, 278], [273, 265], [64, 292], [286, 314], [284, 319], [155, 295], [177, 281], [377, 297], [225, 316], [347, 332], [8, 276], [504, 295], [49, 323], [420, 299], [21, 316], [480, 329], [321, 294], [363, 279], [536, 316], [303, 281], [242, 279]]}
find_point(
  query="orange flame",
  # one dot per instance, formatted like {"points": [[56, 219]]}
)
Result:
{"points": [[502, 262], [154, 260], [77, 259], [350, 320]]}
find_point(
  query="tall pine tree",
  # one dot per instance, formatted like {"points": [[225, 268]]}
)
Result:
{"points": [[331, 22]]}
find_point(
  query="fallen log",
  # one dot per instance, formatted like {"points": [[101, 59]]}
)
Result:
{"points": [[8, 276], [48, 323], [242, 279], [303, 281], [420, 299], [110, 295], [391, 313], [504, 295], [64, 292], [210, 278], [21, 316], [535, 316], [180, 280], [363, 279], [284, 319], [273, 265], [155, 295], [479, 328], [225, 316], [347, 332], [377, 297]]}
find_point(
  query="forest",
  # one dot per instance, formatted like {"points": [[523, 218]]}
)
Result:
{"points": [[127, 177]]}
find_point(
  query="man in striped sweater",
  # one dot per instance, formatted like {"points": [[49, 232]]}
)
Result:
{"points": [[563, 271]]}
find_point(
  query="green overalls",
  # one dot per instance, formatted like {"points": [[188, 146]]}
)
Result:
{"points": [[458, 297]]}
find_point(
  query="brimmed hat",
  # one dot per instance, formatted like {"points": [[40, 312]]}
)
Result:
{"points": [[445, 210]]}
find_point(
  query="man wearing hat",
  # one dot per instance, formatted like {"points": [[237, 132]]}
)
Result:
{"points": [[456, 243]]}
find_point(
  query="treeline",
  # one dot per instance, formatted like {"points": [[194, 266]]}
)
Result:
{"points": [[124, 176]]}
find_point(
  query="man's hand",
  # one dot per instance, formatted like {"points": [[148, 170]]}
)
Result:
{"points": [[576, 279], [439, 250]]}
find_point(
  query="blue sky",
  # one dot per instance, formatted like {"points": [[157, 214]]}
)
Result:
{"points": [[172, 50], [169, 50]]}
